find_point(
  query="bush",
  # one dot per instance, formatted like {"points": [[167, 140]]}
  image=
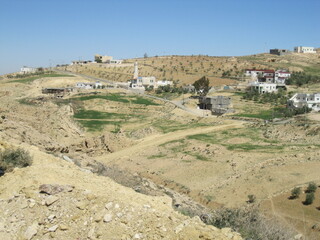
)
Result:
{"points": [[11, 158], [312, 187], [295, 193], [309, 198], [251, 198], [250, 223]]}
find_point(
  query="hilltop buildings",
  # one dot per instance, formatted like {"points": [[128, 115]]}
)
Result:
{"points": [[106, 59], [299, 49], [302, 49], [279, 52]]}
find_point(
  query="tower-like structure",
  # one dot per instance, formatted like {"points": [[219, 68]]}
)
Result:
{"points": [[136, 71]]}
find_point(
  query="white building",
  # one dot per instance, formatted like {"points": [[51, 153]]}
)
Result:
{"points": [[164, 83], [88, 85], [25, 70], [302, 49], [114, 61], [300, 100], [281, 76], [264, 87]]}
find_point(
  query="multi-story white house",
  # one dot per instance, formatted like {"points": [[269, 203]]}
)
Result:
{"points": [[302, 49], [300, 100], [281, 76]]}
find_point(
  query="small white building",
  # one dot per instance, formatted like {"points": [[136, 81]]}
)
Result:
{"points": [[26, 70], [264, 87], [142, 82], [302, 49], [88, 85], [300, 100], [164, 83], [114, 61]]}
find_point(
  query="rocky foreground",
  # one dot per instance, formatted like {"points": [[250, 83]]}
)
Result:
{"points": [[55, 199]]}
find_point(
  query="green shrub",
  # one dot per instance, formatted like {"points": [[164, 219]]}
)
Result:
{"points": [[11, 158], [295, 193], [312, 187], [309, 198], [251, 198]]}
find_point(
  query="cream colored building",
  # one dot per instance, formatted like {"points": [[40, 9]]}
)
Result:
{"points": [[102, 59]]}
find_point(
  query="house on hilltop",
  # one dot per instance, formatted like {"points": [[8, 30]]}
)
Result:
{"points": [[279, 52], [26, 70], [302, 49]]}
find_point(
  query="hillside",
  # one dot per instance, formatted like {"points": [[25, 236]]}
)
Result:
{"points": [[76, 203], [155, 147], [187, 69]]}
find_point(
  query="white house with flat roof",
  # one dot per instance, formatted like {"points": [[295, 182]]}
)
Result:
{"points": [[301, 49], [25, 70], [88, 85], [300, 100]]}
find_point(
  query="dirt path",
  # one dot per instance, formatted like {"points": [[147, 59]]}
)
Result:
{"points": [[156, 140]]}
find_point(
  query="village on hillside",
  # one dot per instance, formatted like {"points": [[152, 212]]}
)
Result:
{"points": [[261, 81]]}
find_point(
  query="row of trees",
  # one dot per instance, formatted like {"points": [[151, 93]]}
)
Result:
{"points": [[301, 78], [311, 189]]}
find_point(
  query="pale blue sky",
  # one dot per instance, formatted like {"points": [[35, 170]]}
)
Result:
{"points": [[39, 32]]}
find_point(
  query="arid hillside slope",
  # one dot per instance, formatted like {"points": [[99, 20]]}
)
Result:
{"points": [[187, 69]]}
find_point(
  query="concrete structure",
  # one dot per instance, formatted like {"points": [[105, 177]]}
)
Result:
{"points": [[57, 92], [218, 104], [300, 100], [302, 49], [26, 70], [136, 71], [88, 85], [102, 59], [279, 52]]}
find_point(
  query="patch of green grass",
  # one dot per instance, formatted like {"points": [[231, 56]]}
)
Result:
{"points": [[109, 97], [92, 114], [251, 147], [143, 101], [119, 98], [31, 79], [197, 156], [265, 115], [172, 126], [253, 134], [26, 101], [96, 125], [171, 142], [160, 155]]}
